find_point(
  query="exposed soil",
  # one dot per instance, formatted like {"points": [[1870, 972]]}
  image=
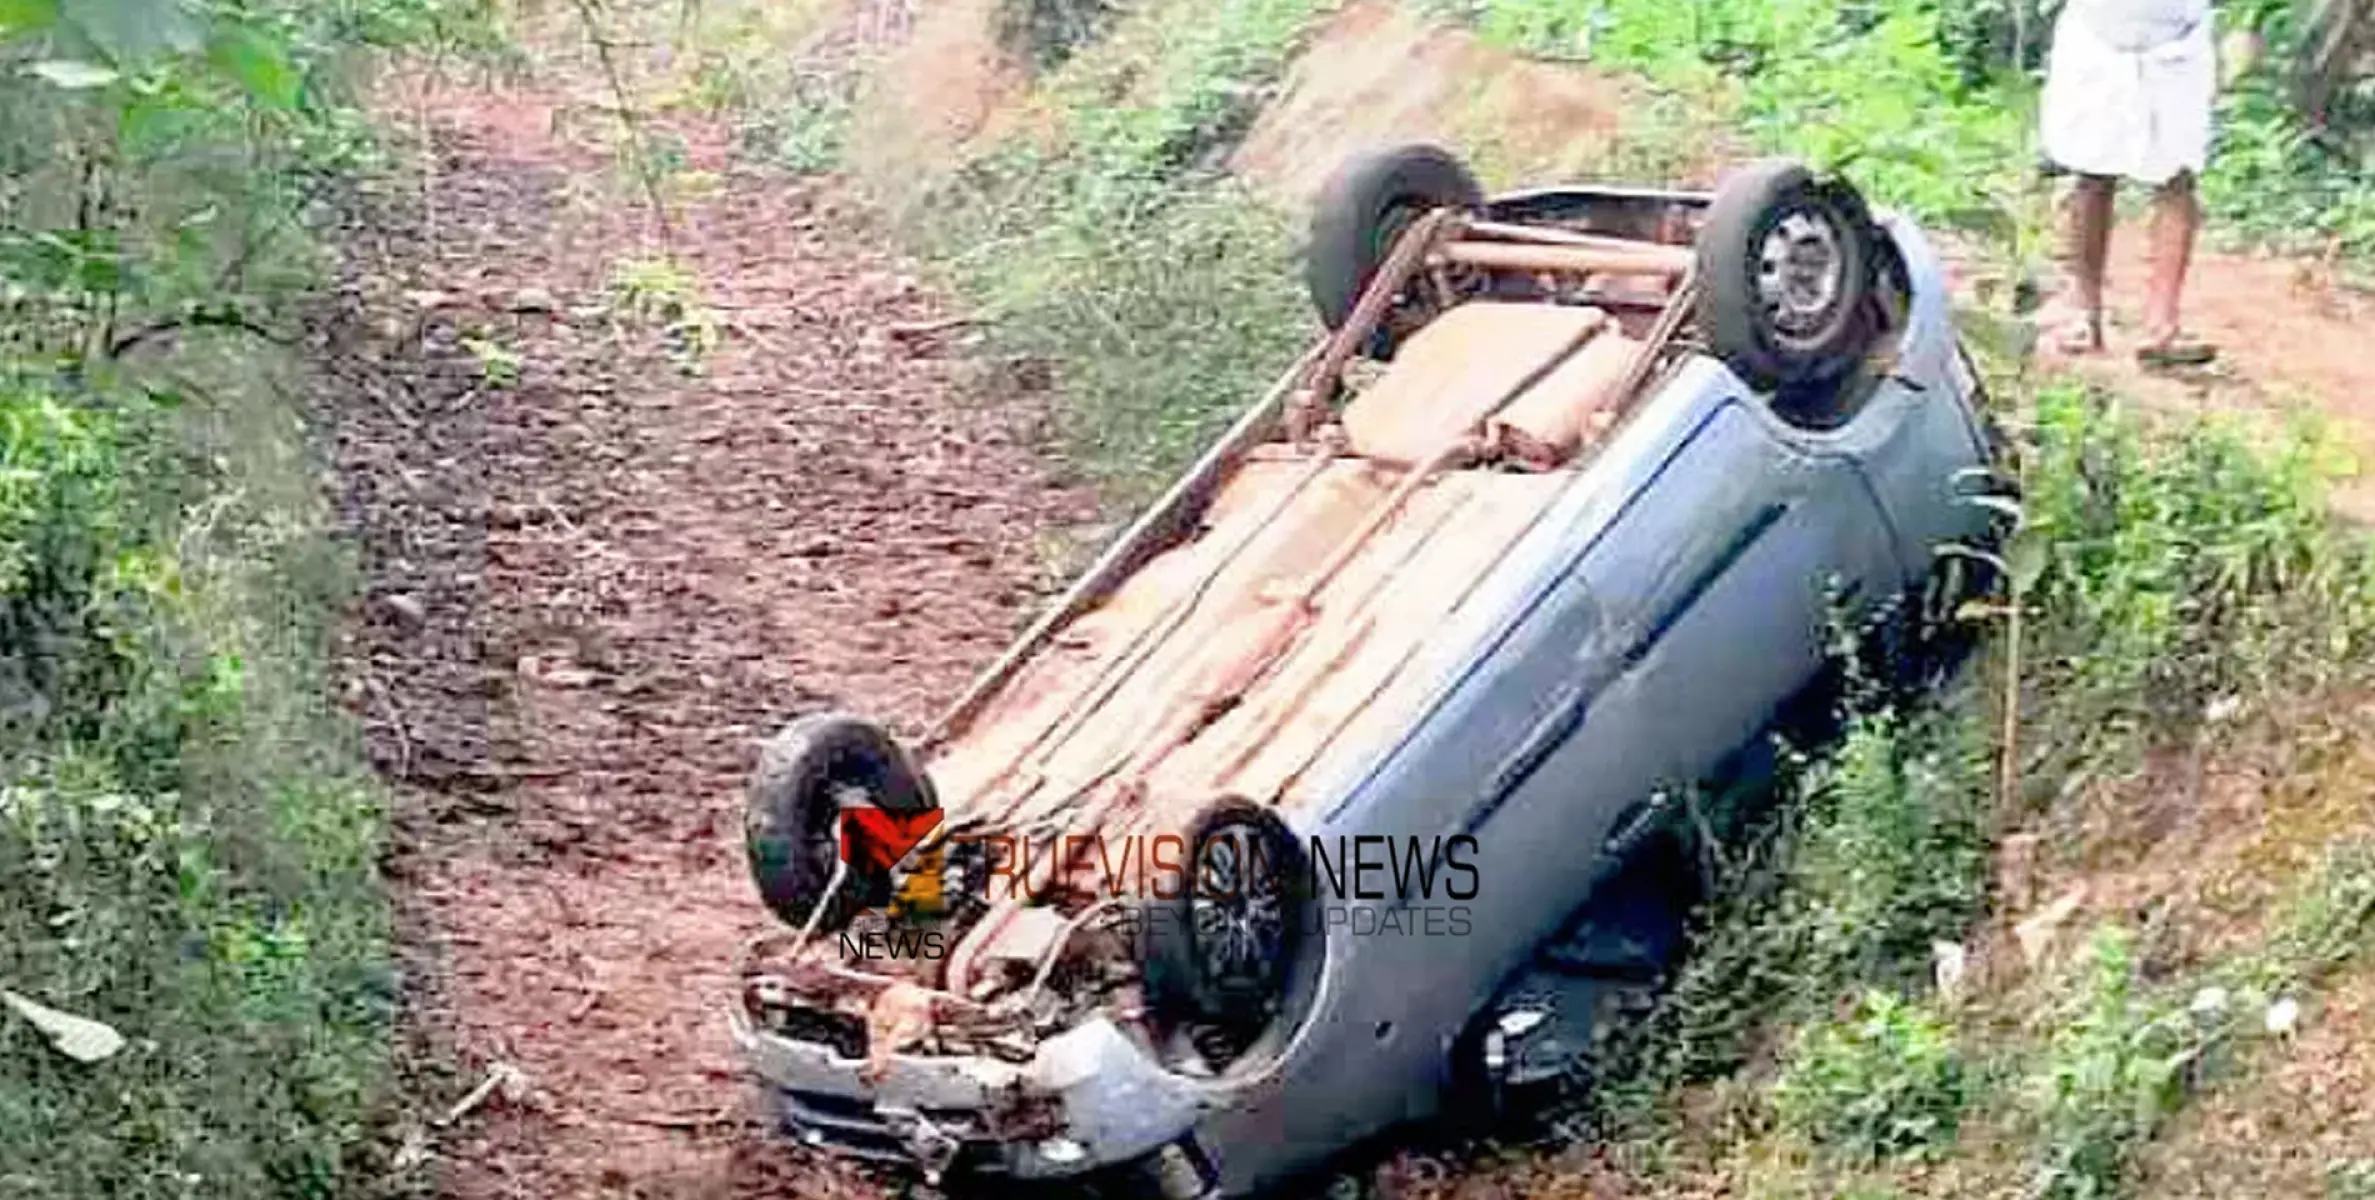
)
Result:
{"points": [[2288, 335], [1379, 74], [2302, 1125], [926, 98], [592, 591]]}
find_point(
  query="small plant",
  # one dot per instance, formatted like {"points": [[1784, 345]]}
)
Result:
{"points": [[2177, 570], [2350, 1179], [809, 136], [2117, 1064], [657, 293], [1048, 32], [498, 364], [1887, 1082]]}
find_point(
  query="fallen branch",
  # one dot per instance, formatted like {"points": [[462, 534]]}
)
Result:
{"points": [[501, 1077], [917, 329], [196, 318], [723, 1116]]}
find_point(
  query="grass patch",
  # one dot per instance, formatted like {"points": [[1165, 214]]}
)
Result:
{"points": [[1105, 242], [1885, 1083], [1933, 105], [188, 840]]}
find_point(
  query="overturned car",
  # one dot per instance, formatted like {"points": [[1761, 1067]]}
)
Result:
{"points": [[1359, 774]]}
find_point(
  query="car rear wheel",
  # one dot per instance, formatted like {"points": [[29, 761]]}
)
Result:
{"points": [[807, 774], [1362, 209], [1786, 277]]}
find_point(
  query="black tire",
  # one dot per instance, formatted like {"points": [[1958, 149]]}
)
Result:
{"points": [[789, 819], [1223, 951], [1786, 276], [1370, 200]]}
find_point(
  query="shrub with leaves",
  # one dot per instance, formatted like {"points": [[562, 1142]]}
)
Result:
{"points": [[1876, 850], [1885, 1082], [2177, 571], [188, 844], [2116, 1065]]}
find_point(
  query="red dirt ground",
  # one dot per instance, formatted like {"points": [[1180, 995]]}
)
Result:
{"points": [[2289, 338], [593, 591]]}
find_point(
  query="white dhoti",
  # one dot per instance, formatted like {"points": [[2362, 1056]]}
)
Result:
{"points": [[2139, 114]]}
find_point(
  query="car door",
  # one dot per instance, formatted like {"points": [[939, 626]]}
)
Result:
{"points": [[1720, 578]]}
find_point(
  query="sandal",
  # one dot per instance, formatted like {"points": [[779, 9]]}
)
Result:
{"points": [[2176, 351]]}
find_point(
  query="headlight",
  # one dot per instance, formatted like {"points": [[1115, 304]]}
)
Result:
{"points": [[1062, 1152]]}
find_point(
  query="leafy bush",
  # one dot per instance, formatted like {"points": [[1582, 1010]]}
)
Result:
{"points": [[2273, 180], [1886, 1082], [1880, 850], [1885, 88], [1932, 103], [2179, 570], [1048, 32], [2116, 1065], [188, 844], [1161, 296]]}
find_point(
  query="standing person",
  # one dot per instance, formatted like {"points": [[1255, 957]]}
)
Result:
{"points": [[2129, 86]]}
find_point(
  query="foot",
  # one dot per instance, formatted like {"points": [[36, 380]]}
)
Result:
{"points": [[2078, 334]]}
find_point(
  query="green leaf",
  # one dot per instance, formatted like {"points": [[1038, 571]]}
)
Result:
{"points": [[72, 75], [25, 16], [260, 64], [134, 30], [79, 1038]]}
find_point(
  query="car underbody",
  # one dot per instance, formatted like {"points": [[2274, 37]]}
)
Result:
{"points": [[1264, 637]]}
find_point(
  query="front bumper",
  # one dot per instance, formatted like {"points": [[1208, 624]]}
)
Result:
{"points": [[1088, 1098]]}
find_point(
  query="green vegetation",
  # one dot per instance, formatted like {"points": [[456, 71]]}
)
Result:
{"points": [[1887, 1082], [1820, 1034], [2112, 1069], [1111, 247], [2165, 576], [188, 843], [1879, 853], [2177, 571], [1932, 103], [2124, 1053]]}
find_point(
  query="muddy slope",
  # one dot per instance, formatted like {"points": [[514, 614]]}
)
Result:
{"points": [[593, 588]]}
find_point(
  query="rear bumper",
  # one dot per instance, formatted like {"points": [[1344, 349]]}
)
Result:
{"points": [[1089, 1098]]}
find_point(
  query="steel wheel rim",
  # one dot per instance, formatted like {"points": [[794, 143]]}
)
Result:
{"points": [[1801, 271]]}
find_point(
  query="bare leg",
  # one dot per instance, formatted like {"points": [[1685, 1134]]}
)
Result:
{"points": [[2086, 247], [2176, 215]]}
